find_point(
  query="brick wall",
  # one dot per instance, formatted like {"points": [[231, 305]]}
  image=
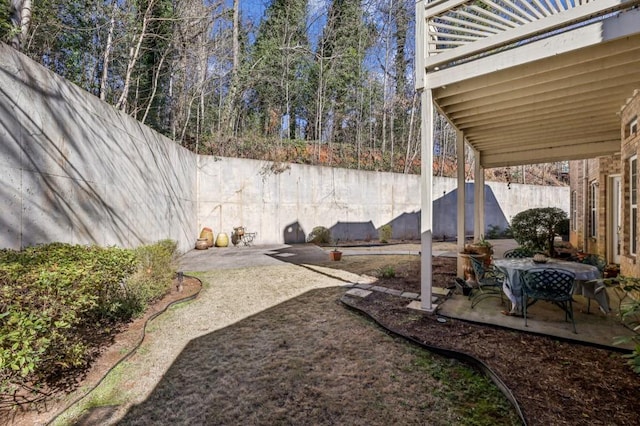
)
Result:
{"points": [[630, 147], [583, 174]]}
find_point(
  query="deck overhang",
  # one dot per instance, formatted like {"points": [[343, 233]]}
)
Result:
{"points": [[524, 82], [551, 99]]}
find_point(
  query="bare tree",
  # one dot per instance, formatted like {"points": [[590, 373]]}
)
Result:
{"points": [[107, 53], [134, 55], [228, 116], [21, 19]]}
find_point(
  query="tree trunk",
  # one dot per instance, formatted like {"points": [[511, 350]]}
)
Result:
{"points": [[228, 114], [107, 54], [134, 54], [20, 11]]}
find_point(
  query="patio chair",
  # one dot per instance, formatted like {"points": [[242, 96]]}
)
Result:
{"points": [[553, 285], [489, 281], [517, 253], [600, 263]]}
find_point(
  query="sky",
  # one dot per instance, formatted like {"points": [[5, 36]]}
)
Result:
{"points": [[254, 9]]}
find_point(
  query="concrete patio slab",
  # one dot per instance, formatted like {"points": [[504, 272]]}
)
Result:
{"points": [[545, 318]]}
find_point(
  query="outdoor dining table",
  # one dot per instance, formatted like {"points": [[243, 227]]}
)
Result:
{"points": [[586, 279]]}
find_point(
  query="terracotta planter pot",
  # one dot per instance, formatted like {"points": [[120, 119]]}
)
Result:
{"points": [[208, 234], [484, 251], [335, 255]]}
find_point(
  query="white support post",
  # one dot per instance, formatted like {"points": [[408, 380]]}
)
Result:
{"points": [[426, 195], [461, 196], [421, 45], [478, 196]]}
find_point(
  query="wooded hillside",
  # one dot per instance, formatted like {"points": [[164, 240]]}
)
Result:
{"points": [[318, 82]]}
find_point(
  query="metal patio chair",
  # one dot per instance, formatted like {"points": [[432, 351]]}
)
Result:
{"points": [[600, 263], [553, 285], [517, 253], [489, 281]]}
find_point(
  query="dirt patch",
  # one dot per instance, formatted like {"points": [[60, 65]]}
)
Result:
{"points": [[307, 360]]}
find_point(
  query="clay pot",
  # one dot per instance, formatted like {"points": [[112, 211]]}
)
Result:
{"points": [[208, 234], [202, 244], [335, 255], [485, 251], [222, 240]]}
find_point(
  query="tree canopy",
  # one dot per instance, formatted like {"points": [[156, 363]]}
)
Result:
{"points": [[327, 82]]}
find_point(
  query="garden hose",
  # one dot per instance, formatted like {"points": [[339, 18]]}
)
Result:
{"points": [[132, 351]]}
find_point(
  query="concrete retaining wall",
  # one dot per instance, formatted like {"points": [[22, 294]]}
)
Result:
{"points": [[283, 203], [76, 170]]}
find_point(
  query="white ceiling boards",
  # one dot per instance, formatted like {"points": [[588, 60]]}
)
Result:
{"points": [[530, 81]]}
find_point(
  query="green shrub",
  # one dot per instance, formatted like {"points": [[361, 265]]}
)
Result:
{"points": [[535, 229], [319, 235], [56, 298], [155, 272], [630, 315], [563, 227], [386, 232]]}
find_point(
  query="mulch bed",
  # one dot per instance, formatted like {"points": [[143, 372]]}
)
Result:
{"points": [[554, 382]]}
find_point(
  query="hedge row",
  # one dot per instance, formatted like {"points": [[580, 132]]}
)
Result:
{"points": [[55, 298]]}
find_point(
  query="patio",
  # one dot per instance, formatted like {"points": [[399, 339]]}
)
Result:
{"points": [[522, 84], [593, 328], [544, 318]]}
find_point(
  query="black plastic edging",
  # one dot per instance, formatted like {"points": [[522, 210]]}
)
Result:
{"points": [[461, 356], [131, 352]]}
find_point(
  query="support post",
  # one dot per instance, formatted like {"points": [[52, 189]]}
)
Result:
{"points": [[426, 195], [461, 197], [478, 196]]}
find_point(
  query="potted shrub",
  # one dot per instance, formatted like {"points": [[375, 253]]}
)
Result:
{"points": [[480, 247]]}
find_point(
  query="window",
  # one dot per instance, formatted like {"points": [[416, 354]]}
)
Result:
{"points": [[574, 210], [633, 204], [593, 209], [632, 128]]}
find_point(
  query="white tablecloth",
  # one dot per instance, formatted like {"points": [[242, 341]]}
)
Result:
{"points": [[585, 274]]}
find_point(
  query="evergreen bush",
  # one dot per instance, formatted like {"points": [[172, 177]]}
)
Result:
{"points": [[535, 229], [386, 232], [319, 235]]}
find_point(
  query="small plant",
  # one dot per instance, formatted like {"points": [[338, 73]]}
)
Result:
{"points": [[319, 235], [480, 246], [630, 314], [387, 272], [482, 242], [386, 232]]}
